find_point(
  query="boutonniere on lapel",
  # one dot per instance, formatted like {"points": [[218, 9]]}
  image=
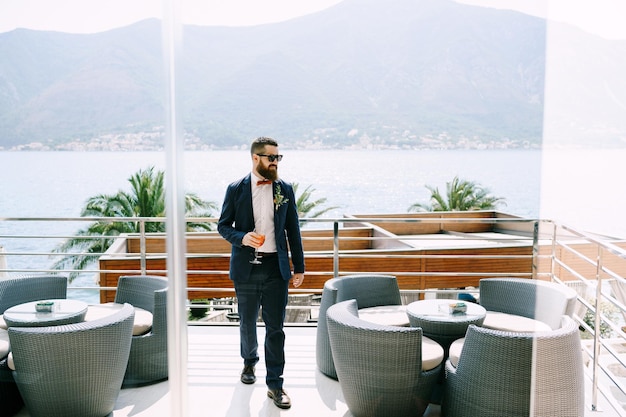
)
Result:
{"points": [[279, 198]]}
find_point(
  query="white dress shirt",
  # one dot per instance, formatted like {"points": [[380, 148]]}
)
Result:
{"points": [[263, 209]]}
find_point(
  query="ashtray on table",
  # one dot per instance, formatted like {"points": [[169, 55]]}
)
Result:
{"points": [[44, 306], [454, 308]]}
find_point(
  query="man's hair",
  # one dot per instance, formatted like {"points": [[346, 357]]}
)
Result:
{"points": [[259, 144]]}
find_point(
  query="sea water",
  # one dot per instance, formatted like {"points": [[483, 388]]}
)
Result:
{"points": [[582, 188]]}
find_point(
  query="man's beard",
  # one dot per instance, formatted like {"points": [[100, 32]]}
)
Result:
{"points": [[267, 173]]}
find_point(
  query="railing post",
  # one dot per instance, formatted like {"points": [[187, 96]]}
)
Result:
{"points": [[553, 257], [596, 333], [535, 259], [142, 246], [335, 248]]}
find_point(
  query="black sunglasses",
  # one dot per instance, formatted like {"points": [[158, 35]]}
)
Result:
{"points": [[272, 158]]}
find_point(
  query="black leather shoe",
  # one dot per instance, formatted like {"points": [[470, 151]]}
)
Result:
{"points": [[247, 375], [280, 397]]}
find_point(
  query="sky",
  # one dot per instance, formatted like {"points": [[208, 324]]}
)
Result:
{"points": [[89, 16], [601, 17]]}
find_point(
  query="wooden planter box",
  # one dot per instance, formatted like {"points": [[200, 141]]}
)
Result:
{"points": [[443, 254]]}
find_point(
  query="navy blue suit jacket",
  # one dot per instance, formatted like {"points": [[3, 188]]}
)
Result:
{"points": [[237, 219]]}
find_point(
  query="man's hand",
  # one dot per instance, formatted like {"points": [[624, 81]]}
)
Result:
{"points": [[252, 239], [298, 279]]}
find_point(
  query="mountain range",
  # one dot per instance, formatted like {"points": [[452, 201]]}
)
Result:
{"points": [[402, 72]]}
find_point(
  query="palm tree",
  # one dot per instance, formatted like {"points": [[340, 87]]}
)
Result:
{"points": [[462, 195], [147, 199], [305, 207]]}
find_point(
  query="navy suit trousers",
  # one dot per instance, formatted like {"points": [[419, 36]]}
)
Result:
{"points": [[267, 290]]}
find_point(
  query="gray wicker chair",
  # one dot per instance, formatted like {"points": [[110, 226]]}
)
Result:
{"points": [[25, 289], [74, 370], [505, 374], [147, 363], [536, 299], [367, 290], [379, 367], [14, 291]]}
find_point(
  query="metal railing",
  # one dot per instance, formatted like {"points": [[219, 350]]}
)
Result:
{"points": [[594, 266]]}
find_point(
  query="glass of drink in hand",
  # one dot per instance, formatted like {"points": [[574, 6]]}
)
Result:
{"points": [[261, 239]]}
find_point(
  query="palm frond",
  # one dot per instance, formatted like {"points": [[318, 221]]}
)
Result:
{"points": [[146, 199], [306, 206], [461, 195]]}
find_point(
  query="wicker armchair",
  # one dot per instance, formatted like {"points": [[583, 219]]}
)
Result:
{"points": [[14, 291], [25, 289], [382, 370], [367, 290], [74, 370], [540, 300], [147, 363], [517, 374]]}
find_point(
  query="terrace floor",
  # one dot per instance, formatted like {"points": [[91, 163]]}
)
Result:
{"points": [[214, 388]]}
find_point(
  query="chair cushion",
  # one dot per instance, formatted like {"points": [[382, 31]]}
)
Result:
{"points": [[389, 315], [3, 324], [4, 343], [455, 351], [432, 354], [513, 323], [10, 362], [141, 325]]}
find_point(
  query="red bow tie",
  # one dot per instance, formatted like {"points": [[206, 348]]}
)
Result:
{"points": [[263, 182]]}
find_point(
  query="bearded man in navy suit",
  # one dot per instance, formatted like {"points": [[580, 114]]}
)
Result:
{"points": [[260, 220]]}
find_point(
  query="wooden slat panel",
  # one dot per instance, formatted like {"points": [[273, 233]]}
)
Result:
{"points": [[417, 228], [320, 267], [212, 242], [413, 271]]}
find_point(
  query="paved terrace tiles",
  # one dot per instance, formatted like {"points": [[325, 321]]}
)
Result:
{"points": [[215, 389]]}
